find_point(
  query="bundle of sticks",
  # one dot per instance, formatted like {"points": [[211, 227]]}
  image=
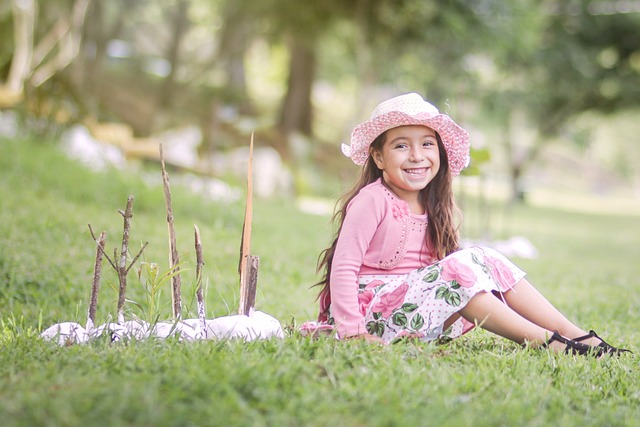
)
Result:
{"points": [[248, 265]]}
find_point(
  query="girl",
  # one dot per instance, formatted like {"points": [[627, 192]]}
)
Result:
{"points": [[395, 268]]}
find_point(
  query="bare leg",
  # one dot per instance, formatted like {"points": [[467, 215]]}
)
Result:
{"points": [[525, 300], [493, 315]]}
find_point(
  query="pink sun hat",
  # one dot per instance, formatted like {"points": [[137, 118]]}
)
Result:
{"points": [[410, 109]]}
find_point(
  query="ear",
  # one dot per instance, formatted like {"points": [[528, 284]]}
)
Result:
{"points": [[376, 155]]}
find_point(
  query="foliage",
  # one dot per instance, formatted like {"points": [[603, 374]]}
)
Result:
{"points": [[302, 382], [223, 65], [46, 255]]}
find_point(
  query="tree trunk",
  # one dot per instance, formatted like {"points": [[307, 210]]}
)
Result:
{"points": [[180, 25], [518, 193], [24, 15], [296, 111], [234, 42]]}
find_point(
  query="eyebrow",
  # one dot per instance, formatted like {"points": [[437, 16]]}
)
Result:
{"points": [[401, 138]]}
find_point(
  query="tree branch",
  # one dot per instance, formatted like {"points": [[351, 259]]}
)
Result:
{"points": [[93, 236], [95, 288], [199, 263], [174, 259], [122, 265], [144, 246]]}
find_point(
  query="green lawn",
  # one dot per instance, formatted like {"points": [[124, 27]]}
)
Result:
{"points": [[588, 266]]}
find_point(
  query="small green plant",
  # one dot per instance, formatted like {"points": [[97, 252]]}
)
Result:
{"points": [[12, 327], [153, 281]]}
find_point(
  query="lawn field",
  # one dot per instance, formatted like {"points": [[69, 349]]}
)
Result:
{"points": [[587, 266]]}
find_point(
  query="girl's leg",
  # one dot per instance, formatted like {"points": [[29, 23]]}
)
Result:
{"points": [[525, 300], [493, 315]]}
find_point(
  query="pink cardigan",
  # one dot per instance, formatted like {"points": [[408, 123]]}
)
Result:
{"points": [[379, 236]]}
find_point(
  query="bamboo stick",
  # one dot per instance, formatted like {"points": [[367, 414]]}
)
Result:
{"points": [[245, 248]]}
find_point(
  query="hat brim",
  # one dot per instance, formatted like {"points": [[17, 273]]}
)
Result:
{"points": [[454, 138]]}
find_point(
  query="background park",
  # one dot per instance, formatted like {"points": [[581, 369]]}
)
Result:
{"points": [[550, 91]]}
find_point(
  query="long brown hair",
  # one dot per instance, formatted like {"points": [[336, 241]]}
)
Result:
{"points": [[437, 197]]}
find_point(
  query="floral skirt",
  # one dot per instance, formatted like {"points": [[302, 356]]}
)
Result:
{"points": [[419, 303]]}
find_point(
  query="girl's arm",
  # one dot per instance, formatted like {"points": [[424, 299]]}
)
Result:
{"points": [[360, 224]]}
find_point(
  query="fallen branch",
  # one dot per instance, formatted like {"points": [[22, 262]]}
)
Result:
{"points": [[174, 259], [95, 288]]}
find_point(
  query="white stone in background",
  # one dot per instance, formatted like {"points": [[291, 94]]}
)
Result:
{"points": [[516, 246], [211, 188], [180, 146], [78, 144], [270, 176], [65, 333], [315, 206], [8, 124]]}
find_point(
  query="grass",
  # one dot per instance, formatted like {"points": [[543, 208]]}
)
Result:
{"points": [[587, 267]]}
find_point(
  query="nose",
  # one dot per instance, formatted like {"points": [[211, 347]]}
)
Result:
{"points": [[416, 155]]}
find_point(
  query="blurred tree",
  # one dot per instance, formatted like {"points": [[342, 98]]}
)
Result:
{"points": [[300, 26], [236, 36], [177, 16], [154, 64], [563, 59], [38, 54]]}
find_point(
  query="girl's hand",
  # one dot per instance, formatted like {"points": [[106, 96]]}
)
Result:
{"points": [[369, 338]]}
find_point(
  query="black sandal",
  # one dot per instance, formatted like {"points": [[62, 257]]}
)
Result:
{"points": [[573, 347], [607, 348]]}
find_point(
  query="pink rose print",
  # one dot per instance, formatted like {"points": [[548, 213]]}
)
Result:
{"points": [[373, 284], [452, 269], [499, 271], [364, 299], [388, 302], [400, 210]]}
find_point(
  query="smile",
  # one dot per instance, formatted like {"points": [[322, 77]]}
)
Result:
{"points": [[416, 172]]}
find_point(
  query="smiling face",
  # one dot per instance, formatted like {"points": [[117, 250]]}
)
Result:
{"points": [[409, 160]]}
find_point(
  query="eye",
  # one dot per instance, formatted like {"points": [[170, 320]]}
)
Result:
{"points": [[400, 145], [428, 143]]}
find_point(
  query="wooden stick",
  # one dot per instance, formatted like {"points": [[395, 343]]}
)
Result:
{"points": [[174, 259], [95, 288], [199, 263], [249, 301], [122, 264], [245, 248], [144, 246], [93, 236]]}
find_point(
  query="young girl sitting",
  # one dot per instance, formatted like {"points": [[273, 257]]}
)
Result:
{"points": [[396, 269]]}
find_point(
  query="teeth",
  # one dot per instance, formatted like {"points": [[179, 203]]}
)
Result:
{"points": [[415, 171]]}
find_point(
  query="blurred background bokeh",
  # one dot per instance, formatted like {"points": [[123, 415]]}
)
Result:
{"points": [[550, 90]]}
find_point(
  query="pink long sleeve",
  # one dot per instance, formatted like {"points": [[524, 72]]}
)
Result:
{"points": [[359, 226]]}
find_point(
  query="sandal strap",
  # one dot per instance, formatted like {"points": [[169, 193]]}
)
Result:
{"points": [[605, 346], [575, 348]]}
